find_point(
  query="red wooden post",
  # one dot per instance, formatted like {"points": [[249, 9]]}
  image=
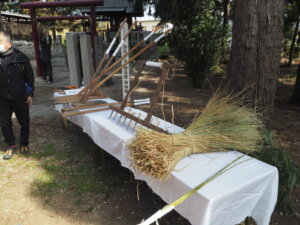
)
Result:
{"points": [[93, 32], [36, 42]]}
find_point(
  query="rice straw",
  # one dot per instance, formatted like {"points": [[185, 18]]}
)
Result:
{"points": [[223, 125]]}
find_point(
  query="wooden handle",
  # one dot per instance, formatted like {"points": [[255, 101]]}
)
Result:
{"points": [[89, 106]]}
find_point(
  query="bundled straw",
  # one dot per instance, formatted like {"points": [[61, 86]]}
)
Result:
{"points": [[223, 125]]}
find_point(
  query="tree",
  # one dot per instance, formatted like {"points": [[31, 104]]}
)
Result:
{"points": [[291, 15], [295, 35], [198, 33], [255, 55], [295, 98]]}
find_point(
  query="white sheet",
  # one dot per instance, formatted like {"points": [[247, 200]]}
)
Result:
{"points": [[250, 189]]}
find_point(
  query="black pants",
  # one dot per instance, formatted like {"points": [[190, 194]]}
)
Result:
{"points": [[47, 69], [21, 110]]}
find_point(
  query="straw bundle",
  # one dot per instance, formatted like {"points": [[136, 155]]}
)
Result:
{"points": [[222, 126]]}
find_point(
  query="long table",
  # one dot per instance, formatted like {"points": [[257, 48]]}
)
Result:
{"points": [[249, 189]]}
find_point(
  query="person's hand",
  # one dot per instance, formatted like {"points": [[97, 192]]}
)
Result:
{"points": [[29, 101]]}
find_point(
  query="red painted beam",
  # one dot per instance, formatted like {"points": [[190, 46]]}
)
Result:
{"points": [[36, 43], [47, 18], [61, 4]]}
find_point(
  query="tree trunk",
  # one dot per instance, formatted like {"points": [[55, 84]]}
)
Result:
{"points": [[294, 37], [54, 33], [226, 13], [295, 98], [255, 54], [1, 16]]}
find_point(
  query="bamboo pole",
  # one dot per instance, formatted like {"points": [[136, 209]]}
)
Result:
{"points": [[160, 213]]}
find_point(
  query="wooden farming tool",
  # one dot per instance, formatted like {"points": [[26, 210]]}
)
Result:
{"points": [[151, 44], [96, 79], [106, 54], [97, 85], [154, 98], [88, 89], [73, 111], [97, 82], [69, 98], [75, 98]]}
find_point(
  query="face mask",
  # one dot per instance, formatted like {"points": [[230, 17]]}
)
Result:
{"points": [[2, 48]]}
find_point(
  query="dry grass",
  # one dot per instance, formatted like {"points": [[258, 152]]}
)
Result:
{"points": [[223, 125]]}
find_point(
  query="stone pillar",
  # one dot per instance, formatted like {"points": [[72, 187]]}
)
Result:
{"points": [[99, 49], [86, 57], [125, 70], [73, 52]]}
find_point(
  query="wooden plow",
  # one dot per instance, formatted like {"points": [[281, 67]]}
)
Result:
{"points": [[92, 89], [136, 118]]}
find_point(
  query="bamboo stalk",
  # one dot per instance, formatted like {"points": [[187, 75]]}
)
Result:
{"points": [[159, 214]]}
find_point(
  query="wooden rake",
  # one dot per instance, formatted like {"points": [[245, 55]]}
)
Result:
{"points": [[77, 97], [147, 47], [108, 63], [136, 118]]}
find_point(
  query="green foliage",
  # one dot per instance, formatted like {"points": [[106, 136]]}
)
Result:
{"points": [[290, 18], [289, 176], [197, 36], [163, 49]]}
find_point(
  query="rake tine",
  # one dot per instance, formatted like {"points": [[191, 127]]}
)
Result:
{"points": [[129, 124], [115, 115], [124, 121], [137, 122], [111, 113], [120, 119], [134, 125]]}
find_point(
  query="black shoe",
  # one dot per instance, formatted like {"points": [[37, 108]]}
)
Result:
{"points": [[10, 152], [24, 149]]}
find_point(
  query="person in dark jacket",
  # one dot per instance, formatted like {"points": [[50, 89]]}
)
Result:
{"points": [[45, 43], [16, 92]]}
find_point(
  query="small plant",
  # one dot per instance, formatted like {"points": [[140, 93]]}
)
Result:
{"points": [[163, 49], [289, 176]]}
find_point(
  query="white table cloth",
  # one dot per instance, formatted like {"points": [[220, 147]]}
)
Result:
{"points": [[249, 189]]}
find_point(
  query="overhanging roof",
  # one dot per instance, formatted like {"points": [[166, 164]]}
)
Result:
{"points": [[15, 15]]}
